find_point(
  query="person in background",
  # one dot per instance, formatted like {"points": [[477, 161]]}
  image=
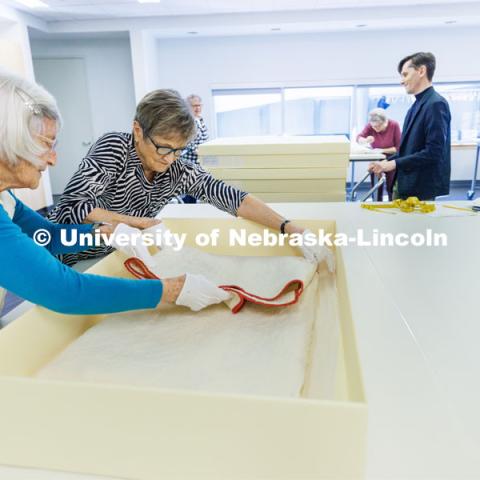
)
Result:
{"points": [[422, 164], [191, 152], [29, 124], [382, 134]]}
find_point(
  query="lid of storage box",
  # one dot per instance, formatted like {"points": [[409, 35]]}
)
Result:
{"points": [[271, 145], [278, 173]]}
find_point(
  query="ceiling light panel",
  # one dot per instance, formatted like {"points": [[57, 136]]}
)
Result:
{"points": [[33, 3]]}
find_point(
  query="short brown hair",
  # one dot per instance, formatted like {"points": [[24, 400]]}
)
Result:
{"points": [[418, 59], [165, 113]]}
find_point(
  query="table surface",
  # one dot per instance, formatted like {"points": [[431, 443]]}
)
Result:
{"points": [[416, 314], [469, 144], [366, 157]]}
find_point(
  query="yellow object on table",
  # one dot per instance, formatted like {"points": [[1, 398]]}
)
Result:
{"points": [[463, 209], [411, 204]]}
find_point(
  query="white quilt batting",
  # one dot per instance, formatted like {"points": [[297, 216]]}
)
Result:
{"points": [[258, 351]]}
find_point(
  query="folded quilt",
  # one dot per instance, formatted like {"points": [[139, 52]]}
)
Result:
{"points": [[261, 351]]}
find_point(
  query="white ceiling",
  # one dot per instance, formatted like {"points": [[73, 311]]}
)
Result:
{"points": [[179, 18], [67, 10]]}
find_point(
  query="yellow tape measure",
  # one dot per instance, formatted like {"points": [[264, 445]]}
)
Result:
{"points": [[411, 204]]}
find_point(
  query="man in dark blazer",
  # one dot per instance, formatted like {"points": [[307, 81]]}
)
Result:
{"points": [[423, 161]]}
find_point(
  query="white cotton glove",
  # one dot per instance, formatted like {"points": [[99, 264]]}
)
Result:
{"points": [[129, 241], [198, 292], [167, 236], [318, 253]]}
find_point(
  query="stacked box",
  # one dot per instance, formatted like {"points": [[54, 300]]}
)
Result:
{"points": [[282, 168]]}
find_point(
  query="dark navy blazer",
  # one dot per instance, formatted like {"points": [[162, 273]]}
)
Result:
{"points": [[423, 161]]}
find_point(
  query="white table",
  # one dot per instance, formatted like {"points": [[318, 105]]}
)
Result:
{"points": [[361, 157], [418, 329]]}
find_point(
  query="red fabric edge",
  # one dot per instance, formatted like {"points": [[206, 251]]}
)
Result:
{"points": [[250, 297], [139, 270]]}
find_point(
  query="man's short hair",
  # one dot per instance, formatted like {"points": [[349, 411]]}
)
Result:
{"points": [[418, 59]]}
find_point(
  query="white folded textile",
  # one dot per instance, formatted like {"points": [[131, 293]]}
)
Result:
{"points": [[260, 276], [357, 148], [260, 351]]}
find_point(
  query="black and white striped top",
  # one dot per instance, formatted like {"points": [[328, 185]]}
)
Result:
{"points": [[111, 177], [190, 153]]}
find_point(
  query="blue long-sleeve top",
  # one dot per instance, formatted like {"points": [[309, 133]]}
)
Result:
{"points": [[33, 273]]}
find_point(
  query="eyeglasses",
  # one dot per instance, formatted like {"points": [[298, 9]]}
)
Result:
{"points": [[163, 151], [51, 144]]}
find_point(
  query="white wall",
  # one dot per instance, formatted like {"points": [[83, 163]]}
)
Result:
{"points": [[109, 75], [200, 64], [15, 55], [143, 49]]}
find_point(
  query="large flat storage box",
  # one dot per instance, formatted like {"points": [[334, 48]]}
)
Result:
{"points": [[151, 433], [282, 168]]}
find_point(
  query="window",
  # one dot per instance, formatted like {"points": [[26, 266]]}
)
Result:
{"points": [[339, 110], [248, 112], [464, 101], [318, 111], [393, 99]]}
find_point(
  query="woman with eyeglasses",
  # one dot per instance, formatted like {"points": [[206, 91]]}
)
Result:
{"points": [[29, 123], [382, 134], [127, 178]]}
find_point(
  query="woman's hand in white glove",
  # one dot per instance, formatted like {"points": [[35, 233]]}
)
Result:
{"points": [[192, 291], [129, 241], [317, 253], [167, 238]]}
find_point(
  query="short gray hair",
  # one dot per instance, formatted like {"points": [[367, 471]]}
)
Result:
{"points": [[24, 105], [377, 115], [192, 97], [165, 113]]}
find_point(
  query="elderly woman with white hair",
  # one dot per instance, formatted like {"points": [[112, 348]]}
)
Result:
{"points": [[384, 135], [190, 154], [29, 123]]}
